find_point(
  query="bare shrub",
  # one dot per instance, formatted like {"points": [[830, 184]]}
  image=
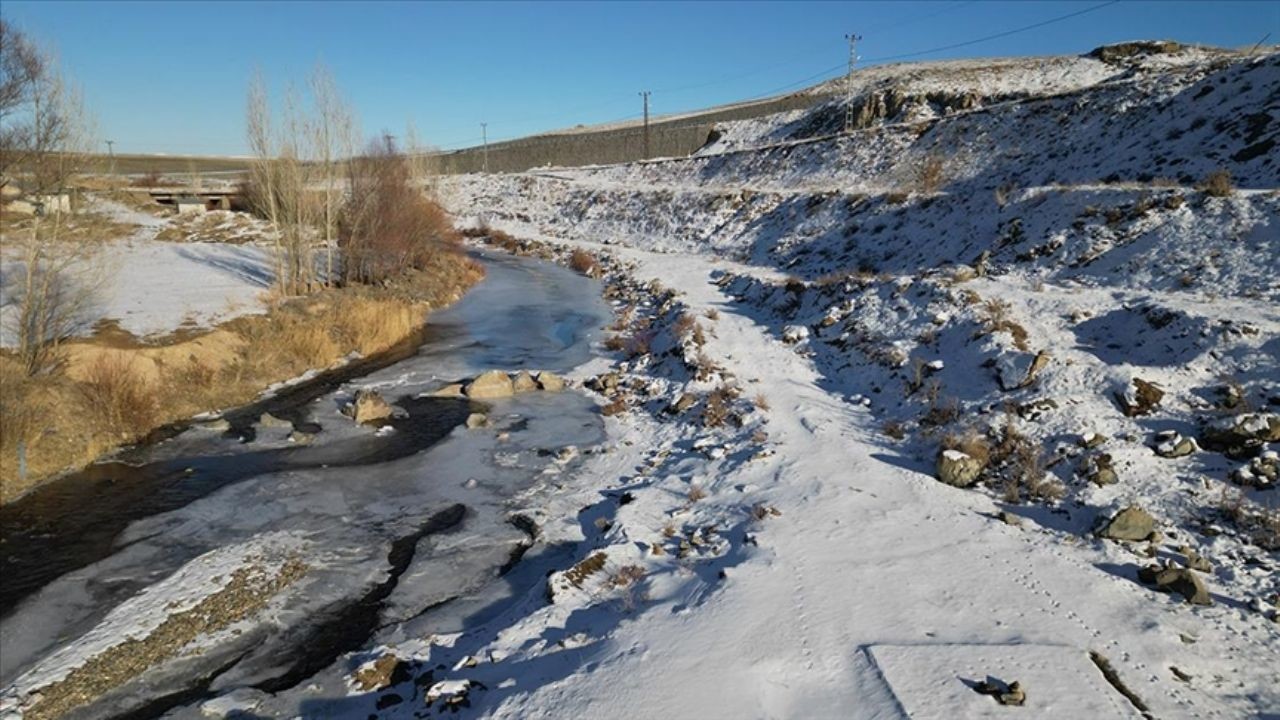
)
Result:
{"points": [[696, 493], [971, 443], [1217, 184], [617, 406], [895, 429], [930, 174], [149, 179], [683, 327], [583, 262], [717, 409], [761, 402], [388, 226], [114, 389], [995, 318], [712, 314], [1019, 462], [615, 343]]}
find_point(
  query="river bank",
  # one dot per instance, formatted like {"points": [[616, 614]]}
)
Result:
{"points": [[351, 521]]}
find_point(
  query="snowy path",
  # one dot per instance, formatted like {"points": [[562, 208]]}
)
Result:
{"points": [[872, 557]]}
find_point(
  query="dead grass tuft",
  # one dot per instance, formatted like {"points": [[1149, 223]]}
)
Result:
{"points": [[114, 389], [1217, 184], [583, 262]]}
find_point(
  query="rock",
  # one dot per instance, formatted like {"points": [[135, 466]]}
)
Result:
{"points": [[550, 381], [1019, 371], [793, 334], [477, 420], [606, 383], [1195, 561], [1171, 578], [1261, 472], [524, 382], [267, 420], [368, 406], [491, 384], [958, 469], [1009, 518], [1242, 435], [1142, 399], [1091, 440], [385, 671], [216, 425], [1100, 471], [1132, 523], [450, 390], [299, 437], [1171, 444], [681, 405], [453, 693], [1015, 697]]}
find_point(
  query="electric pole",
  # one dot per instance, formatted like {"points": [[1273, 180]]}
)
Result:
{"points": [[484, 136], [645, 94], [111, 152], [848, 86]]}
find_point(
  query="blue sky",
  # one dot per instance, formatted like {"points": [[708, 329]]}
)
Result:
{"points": [[172, 77]]}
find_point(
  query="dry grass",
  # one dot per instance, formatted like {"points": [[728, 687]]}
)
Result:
{"points": [[717, 409], [696, 493], [1217, 184], [114, 390], [120, 395], [971, 443], [995, 317], [712, 314], [761, 402], [930, 175], [583, 262]]}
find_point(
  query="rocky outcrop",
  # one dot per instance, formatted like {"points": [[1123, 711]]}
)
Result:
{"points": [[1241, 435], [383, 672], [1171, 444]]}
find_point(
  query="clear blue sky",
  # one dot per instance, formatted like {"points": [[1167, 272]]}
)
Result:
{"points": [[172, 77]]}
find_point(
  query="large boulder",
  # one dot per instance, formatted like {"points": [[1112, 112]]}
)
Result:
{"points": [[491, 384], [368, 406], [1132, 523], [450, 390], [550, 381], [958, 469]]}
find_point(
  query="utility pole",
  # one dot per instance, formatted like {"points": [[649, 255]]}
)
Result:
{"points": [[484, 135], [645, 94], [111, 152], [848, 86]]}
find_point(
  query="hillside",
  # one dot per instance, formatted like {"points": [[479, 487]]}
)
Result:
{"points": [[1049, 282]]}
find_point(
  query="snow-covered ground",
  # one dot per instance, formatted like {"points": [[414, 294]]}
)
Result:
{"points": [[153, 287], [810, 564]]}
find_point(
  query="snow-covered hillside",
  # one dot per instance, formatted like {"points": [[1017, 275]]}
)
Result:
{"points": [[1051, 282]]}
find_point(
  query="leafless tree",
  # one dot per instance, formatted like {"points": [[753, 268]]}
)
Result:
{"points": [[46, 142], [333, 132], [21, 66]]}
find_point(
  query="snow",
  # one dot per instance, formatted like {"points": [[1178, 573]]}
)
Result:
{"points": [[153, 287]]}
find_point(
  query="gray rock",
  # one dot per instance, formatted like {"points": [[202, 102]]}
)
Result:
{"points": [[1241, 435], [477, 420], [1019, 371], [1132, 523], [301, 438], [958, 469], [1142, 399], [491, 384]]}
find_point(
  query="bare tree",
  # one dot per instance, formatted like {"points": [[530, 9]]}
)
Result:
{"points": [[280, 181], [333, 134], [46, 143], [21, 66]]}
